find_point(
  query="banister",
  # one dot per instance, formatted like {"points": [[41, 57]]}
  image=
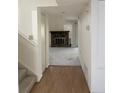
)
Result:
{"points": [[32, 42]]}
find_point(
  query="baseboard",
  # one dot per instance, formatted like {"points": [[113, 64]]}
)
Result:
{"points": [[47, 65], [83, 69], [39, 78], [97, 92]]}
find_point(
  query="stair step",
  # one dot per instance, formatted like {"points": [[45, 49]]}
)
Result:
{"points": [[22, 74], [20, 66], [27, 84]]}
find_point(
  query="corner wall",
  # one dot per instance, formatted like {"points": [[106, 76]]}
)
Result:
{"points": [[84, 42], [92, 45], [74, 32]]}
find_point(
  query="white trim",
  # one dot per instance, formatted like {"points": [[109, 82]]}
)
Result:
{"points": [[47, 65], [32, 42], [82, 62], [39, 78], [97, 92]]}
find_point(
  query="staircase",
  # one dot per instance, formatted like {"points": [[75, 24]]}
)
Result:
{"points": [[26, 79]]}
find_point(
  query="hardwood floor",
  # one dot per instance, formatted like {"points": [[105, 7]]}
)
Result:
{"points": [[62, 79]]}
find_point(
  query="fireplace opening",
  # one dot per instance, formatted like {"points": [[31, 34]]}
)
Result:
{"points": [[60, 39]]}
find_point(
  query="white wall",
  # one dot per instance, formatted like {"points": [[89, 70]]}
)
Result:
{"points": [[43, 34], [34, 25], [31, 56], [76, 34], [69, 27], [25, 9], [35, 57], [41, 37], [92, 45], [47, 39], [84, 35], [73, 32], [56, 22], [98, 46], [28, 56]]}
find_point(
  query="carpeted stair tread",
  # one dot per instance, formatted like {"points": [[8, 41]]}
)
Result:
{"points": [[26, 84], [22, 74]]}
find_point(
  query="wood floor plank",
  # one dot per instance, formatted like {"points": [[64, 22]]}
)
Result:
{"points": [[62, 79]]}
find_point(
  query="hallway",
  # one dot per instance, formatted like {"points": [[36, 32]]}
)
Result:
{"points": [[49, 31], [62, 79], [64, 56]]}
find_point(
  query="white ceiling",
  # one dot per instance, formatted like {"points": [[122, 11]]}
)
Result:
{"points": [[67, 8]]}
